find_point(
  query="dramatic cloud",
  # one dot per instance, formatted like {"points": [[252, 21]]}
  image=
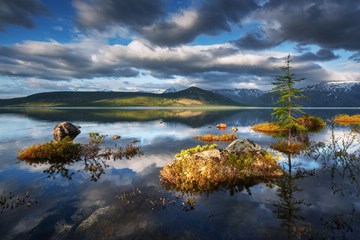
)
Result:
{"points": [[331, 24], [102, 14], [321, 55], [194, 65], [211, 18], [355, 57], [20, 12]]}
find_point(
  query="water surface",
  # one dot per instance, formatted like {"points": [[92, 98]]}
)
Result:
{"points": [[319, 199]]}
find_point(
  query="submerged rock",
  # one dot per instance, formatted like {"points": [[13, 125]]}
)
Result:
{"points": [[65, 129]]}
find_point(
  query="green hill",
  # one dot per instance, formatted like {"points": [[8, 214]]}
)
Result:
{"points": [[189, 97]]}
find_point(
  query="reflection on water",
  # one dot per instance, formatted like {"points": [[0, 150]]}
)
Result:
{"points": [[317, 198], [60, 156]]}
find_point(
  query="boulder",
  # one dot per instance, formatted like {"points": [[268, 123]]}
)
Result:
{"points": [[234, 129], [65, 129], [115, 137], [221, 126], [243, 146]]}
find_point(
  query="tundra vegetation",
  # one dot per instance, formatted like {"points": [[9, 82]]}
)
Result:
{"points": [[65, 153], [225, 137], [202, 172], [345, 119]]}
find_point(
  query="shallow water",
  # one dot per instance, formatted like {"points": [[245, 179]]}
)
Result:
{"points": [[320, 199]]}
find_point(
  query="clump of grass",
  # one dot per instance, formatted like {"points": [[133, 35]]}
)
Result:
{"points": [[225, 137], [306, 123], [196, 149], [345, 119], [61, 155], [63, 150], [270, 128], [204, 175], [311, 123]]}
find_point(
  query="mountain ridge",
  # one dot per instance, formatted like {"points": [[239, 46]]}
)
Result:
{"points": [[189, 97], [319, 95]]}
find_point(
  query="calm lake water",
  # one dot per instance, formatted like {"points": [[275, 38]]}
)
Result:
{"points": [[319, 200]]}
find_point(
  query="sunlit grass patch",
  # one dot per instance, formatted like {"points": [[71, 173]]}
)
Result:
{"points": [[269, 128], [225, 137], [63, 150], [195, 174], [196, 149], [309, 123], [345, 119]]}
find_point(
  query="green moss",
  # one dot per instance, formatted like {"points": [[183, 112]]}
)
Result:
{"points": [[196, 149]]}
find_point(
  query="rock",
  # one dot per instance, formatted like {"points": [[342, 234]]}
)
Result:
{"points": [[93, 218], [65, 129], [208, 154], [221, 126], [115, 137], [243, 146], [234, 129]]}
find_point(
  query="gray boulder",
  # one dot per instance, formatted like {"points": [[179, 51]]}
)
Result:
{"points": [[65, 129], [243, 146]]}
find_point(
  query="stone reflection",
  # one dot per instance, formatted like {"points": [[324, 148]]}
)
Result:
{"points": [[10, 200], [62, 155]]}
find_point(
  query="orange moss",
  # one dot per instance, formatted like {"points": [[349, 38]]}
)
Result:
{"points": [[226, 137], [345, 119], [269, 128], [309, 123]]}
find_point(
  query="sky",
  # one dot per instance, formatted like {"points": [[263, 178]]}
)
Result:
{"points": [[153, 45]]}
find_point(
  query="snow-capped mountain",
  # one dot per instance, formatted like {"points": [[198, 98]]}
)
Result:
{"points": [[241, 95], [332, 94], [170, 90]]}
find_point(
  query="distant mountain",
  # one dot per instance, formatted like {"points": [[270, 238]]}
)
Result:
{"points": [[170, 90], [241, 95], [321, 95], [189, 97]]}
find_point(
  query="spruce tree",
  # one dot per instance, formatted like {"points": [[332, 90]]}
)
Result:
{"points": [[288, 96]]}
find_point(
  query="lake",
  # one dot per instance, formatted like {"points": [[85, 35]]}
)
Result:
{"points": [[124, 199]]}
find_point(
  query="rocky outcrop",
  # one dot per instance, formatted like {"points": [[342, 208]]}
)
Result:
{"points": [[65, 129], [241, 146]]}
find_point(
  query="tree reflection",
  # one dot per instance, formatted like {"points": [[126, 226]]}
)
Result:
{"points": [[340, 157], [61, 156], [288, 207]]}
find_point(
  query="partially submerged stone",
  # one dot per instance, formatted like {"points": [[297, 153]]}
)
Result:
{"points": [[65, 129]]}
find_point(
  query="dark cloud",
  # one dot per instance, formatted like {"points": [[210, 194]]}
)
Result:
{"points": [[53, 61], [321, 55], [101, 14], [331, 24], [20, 12], [149, 18], [211, 18], [355, 57]]}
